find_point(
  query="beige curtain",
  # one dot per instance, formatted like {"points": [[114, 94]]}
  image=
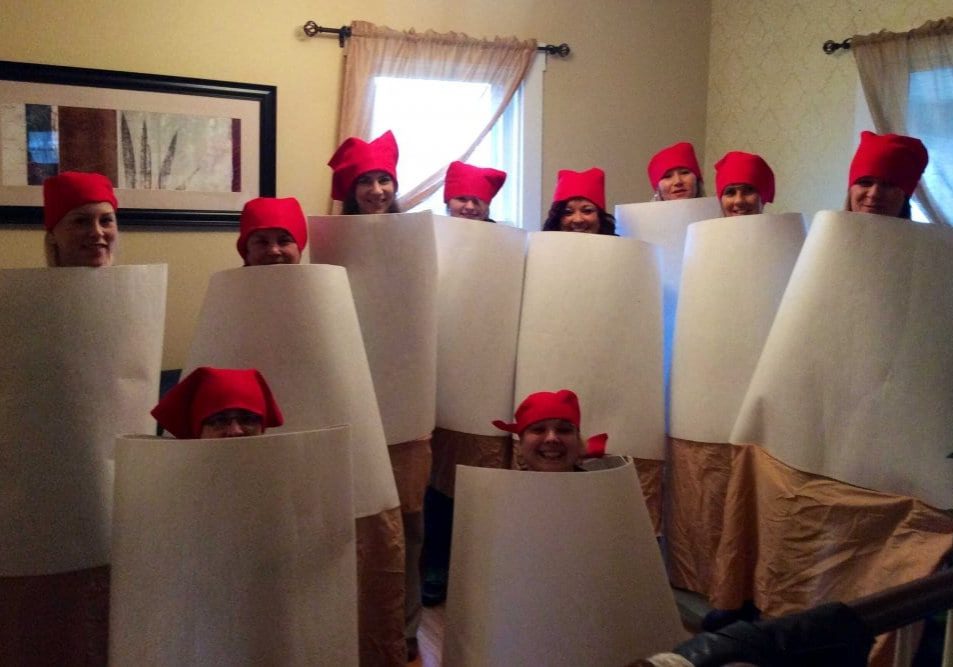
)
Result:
{"points": [[888, 62], [379, 51]]}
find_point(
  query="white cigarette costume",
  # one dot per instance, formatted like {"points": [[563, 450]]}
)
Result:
{"points": [[578, 580], [234, 551]]}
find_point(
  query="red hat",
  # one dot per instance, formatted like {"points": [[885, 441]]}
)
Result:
{"points": [[562, 404], [64, 192], [589, 184], [356, 156], [267, 213], [681, 154], [207, 391], [465, 180], [739, 167], [896, 159]]}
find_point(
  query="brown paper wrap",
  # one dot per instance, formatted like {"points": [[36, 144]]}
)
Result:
{"points": [[450, 448], [55, 619], [411, 463], [380, 586], [744, 526]]}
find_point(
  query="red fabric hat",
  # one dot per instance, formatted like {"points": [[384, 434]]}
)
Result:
{"points": [[465, 180], [681, 154], [207, 391], [267, 213], [596, 446], [562, 404], [894, 158], [739, 167], [64, 192], [590, 184], [356, 156]]}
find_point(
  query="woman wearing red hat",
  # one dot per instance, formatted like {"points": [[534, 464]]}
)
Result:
{"points": [[745, 183], [674, 173], [884, 173], [547, 424], [218, 403], [579, 203], [272, 231], [468, 190], [365, 175], [79, 213]]}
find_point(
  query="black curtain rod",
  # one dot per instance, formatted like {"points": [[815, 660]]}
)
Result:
{"points": [[830, 46], [312, 29]]}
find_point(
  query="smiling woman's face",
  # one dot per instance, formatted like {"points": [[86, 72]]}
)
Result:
{"points": [[678, 183], [85, 236], [551, 445], [374, 192], [580, 215], [874, 195]]}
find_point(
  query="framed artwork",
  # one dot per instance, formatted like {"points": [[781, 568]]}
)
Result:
{"points": [[181, 152]]}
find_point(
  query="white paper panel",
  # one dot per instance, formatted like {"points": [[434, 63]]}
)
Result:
{"points": [[81, 363], [234, 551], [391, 261], [478, 312], [664, 224], [591, 322], [733, 277], [856, 377], [577, 580], [297, 325]]}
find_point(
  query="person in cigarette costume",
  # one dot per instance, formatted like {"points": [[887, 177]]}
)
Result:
{"points": [[272, 231], [79, 214], [468, 190], [674, 173], [547, 424], [218, 403], [365, 180], [579, 204], [365, 175], [884, 173], [745, 183]]}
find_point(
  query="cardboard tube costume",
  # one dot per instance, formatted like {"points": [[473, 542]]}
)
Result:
{"points": [[234, 551], [733, 278], [664, 224], [480, 270], [83, 352], [866, 315], [577, 580], [297, 324], [391, 263], [607, 340], [849, 392]]}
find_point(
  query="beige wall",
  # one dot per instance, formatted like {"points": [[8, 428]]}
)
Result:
{"points": [[636, 81], [773, 91]]}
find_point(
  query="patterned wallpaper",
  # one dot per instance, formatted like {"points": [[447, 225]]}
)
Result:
{"points": [[773, 91]]}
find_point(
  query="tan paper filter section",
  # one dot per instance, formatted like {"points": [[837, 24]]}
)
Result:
{"points": [[733, 277], [591, 322], [478, 312], [234, 551], [391, 261], [856, 375], [298, 326], [83, 352], [577, 580]]}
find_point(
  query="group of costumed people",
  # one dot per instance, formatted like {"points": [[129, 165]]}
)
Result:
{"points": [[80, 216]]}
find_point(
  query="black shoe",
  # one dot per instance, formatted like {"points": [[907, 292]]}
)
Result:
{"points": [[716, 619], [433, 589]]}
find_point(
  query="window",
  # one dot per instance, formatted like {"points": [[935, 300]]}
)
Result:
{"points": [[440, 115]]}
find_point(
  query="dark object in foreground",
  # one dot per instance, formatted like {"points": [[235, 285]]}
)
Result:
{"points": [[832, 634]]}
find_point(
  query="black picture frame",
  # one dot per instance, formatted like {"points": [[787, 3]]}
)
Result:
{"points": [[172, 218]]}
